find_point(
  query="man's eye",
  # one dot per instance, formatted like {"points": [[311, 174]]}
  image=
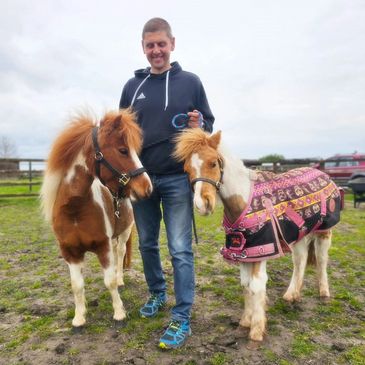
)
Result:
{"points": [[162, 44]]}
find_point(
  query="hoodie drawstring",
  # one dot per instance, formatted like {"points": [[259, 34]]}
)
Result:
{"points": [[139, 86], [167, 90]]}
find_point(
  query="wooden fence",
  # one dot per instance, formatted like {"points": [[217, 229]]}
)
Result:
{"points": [[23, 169]]}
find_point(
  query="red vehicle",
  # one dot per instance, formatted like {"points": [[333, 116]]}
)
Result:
{"points": [[343, 167]]}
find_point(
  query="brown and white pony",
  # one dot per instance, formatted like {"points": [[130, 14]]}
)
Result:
{"points": [[90, 212], [213, 170]]}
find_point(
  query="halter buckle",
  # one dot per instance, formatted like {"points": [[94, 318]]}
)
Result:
{"points": [[98, 156], [124, 179], [218, 185]]}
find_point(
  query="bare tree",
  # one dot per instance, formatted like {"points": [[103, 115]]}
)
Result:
{"points": [[7, 148]]}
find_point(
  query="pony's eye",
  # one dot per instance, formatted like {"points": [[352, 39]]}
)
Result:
{"points": [[123, 151], [213, 164]]}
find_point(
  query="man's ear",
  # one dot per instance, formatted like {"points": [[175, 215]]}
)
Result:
{"points": [[172, 43], [215, 139], [142, 46]]}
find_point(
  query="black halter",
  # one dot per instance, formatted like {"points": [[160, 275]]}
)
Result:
{"points": [[123, 178], [216, 184]]}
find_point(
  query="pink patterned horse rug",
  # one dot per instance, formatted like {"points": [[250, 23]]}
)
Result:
{"points": [[281, 210]]}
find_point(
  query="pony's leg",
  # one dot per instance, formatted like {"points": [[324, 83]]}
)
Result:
{"points": [[322, 243], [258, 290], [299, 257], [245, 270], [120, 253], [247, 312], [77, 284], [108, 261], [254, 278]]}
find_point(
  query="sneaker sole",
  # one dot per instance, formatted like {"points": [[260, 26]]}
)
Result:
{"points": [[164, 346]]}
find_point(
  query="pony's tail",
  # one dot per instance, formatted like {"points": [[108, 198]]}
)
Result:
{"points": [[312, 260], [48, 194], [127, 261]]}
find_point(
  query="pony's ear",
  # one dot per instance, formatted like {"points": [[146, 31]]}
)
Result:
{"points": [[214, 140], [117, 121], [113, 124]]}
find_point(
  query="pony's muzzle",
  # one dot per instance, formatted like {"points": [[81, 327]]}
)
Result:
{"points": [[141, 187], [205, 204]]}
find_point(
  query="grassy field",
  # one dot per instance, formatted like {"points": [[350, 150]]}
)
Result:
{"points": [[20, 186], [36, 303]]}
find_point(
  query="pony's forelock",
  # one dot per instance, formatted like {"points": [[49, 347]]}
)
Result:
{"points": [[188, 142], [128, 127]]}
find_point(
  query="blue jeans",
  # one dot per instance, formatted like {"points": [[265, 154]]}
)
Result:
{"points": [[173, 193]]}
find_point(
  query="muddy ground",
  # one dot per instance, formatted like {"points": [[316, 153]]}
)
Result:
{"points": [[36, 304]]}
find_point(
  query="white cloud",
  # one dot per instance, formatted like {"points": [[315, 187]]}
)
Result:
{"points": [[281, 77]]}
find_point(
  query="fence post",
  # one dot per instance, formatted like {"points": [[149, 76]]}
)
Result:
{"points": [[30, 176]]}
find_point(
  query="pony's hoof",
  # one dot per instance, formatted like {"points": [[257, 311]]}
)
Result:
{"points": [[257, 334], [77, 329], [241, 332], [291, 298], [120, 324], [253, 345], [245, 323], [325, 299]]}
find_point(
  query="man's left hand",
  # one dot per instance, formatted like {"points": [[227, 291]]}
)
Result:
{"points": [[195, 119]]}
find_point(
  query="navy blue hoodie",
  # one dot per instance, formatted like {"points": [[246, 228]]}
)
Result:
{"points": [[157, 98]]}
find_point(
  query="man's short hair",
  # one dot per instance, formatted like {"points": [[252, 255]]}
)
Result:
{"points": [[157, 25]]}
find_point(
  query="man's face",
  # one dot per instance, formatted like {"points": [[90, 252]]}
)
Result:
{"points": [[157, 47]]}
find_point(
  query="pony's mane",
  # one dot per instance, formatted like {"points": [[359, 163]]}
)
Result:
{"points": [[128, 128], [77, 136], [69, 143], [188, 142]]}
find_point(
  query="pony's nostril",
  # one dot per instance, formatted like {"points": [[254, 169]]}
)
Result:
{"points": [[208, 203], [149, 189]]}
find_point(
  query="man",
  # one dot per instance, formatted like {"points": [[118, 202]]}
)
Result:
{"points": [[162, 95]]}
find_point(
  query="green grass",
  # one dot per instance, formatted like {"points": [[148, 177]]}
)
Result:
{"points": [[16, 188], [36, 303]]}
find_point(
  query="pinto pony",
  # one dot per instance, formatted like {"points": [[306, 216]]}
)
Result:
{"points": [[92, 172], [265, 215]]}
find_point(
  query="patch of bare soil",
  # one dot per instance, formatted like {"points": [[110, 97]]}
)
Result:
{"points": [[310, 332], [217, 337]]}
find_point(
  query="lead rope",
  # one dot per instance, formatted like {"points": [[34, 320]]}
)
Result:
{"points": [[193, 219], [194, 227]]}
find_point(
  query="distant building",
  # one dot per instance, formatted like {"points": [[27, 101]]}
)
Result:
{"points": [[9, 168]]}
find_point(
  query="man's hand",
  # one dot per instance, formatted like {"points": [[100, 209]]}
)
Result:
{"points": [[195, 119]]}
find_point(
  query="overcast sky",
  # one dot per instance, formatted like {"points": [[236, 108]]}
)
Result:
{"points": [[284, 76]]}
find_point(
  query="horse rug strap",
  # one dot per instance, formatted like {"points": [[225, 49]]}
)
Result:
{"points": [[281, 210]]}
